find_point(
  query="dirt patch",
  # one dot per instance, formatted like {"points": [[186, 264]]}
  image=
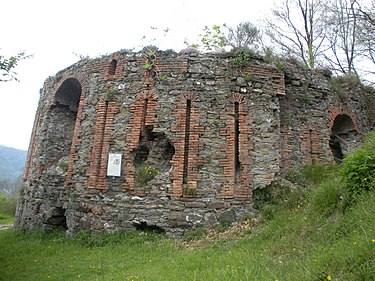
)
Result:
{"points": [[213, 235]]}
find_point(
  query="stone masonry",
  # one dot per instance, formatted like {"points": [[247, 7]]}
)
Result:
{"points": [[195, 136]]}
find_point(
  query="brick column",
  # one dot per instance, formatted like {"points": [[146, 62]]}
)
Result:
{"points": [[236, 176], [186, 159]]}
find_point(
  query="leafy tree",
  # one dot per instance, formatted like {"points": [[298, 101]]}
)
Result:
{"points": [[7, 66], [213, 38], [244, 36], [297, 28]]}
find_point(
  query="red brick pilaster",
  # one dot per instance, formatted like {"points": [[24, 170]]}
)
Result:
{"points": [[140, 115], [186, 159], [311, 144], [286, 148], [102, 140], [237, 180]]}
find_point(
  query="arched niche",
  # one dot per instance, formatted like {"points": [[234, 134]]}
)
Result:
{"points": [[343, 134], [61, 120]]}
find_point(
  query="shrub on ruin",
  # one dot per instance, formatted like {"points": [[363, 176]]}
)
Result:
{"points": [[144, 173]]}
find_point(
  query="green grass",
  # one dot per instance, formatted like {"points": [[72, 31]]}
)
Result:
{"points": [[304, 234]]}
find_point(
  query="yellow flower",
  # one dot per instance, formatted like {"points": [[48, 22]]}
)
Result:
{"points": [[329, 277], [373, 240]]}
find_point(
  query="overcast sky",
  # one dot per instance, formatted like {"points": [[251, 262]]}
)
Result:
{"points": [[57, 32]]}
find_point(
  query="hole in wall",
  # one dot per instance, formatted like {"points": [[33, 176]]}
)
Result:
{"points": [[58, 218], [143, 226], [342, 134], [112, 68], [335, 145]]}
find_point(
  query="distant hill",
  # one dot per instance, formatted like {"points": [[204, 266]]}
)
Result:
{"points": [[12, 162]]}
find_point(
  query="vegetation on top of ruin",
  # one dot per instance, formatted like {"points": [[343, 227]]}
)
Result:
{"points": [[305, 230]]}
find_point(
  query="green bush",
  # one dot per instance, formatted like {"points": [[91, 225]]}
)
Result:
{"points": [[358, 171], [240, 58]]}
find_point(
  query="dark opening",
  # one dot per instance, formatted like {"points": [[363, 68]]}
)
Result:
{"points": [[342, 132], [149, 135], [169, 151], [58, 218], [237, 163], [186, 146], [112, 68], [69, 94], [143, 226], [311, 142], [343, 124], [334, 144]]}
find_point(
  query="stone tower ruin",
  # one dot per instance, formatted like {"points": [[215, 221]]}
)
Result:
{"points": [[175, 141]]}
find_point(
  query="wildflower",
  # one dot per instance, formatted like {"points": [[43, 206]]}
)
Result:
{"points": [[329, 277], [373, 240]]}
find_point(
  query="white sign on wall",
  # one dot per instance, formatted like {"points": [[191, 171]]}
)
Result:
{"points": [[114, 165]]}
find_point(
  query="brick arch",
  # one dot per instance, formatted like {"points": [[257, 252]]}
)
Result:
{"points": [[40, 116], [341, 110], [82, 80], [341, 141]]}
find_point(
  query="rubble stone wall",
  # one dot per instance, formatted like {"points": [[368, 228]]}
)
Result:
{"points": [[196, 136]]}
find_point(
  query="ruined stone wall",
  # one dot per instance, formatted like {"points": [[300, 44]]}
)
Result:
{"points": [[313, 116], [196, 136]]}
